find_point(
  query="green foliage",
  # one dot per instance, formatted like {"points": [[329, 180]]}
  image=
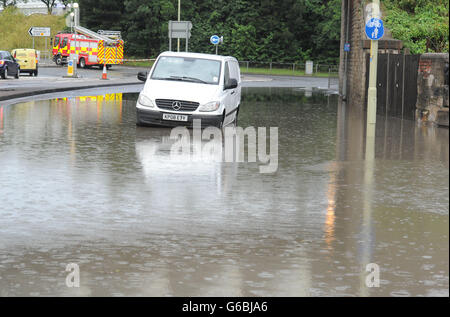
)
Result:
{"points": [[145, 25], [264, 30], [101, 14], [419, 23]]}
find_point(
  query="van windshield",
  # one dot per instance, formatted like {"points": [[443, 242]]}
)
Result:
{"points": [[200, 70]]}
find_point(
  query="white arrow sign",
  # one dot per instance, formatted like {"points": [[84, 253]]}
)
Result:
{"points": [[39, 31]]}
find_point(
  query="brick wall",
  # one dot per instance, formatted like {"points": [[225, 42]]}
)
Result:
{"points": [[353, 14]]}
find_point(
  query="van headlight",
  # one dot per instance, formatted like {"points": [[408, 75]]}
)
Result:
{"points": [[210, 106], [145, 101]]}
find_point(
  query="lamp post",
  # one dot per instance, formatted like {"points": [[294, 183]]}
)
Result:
{"points": [[77, 13], [71, 21]]}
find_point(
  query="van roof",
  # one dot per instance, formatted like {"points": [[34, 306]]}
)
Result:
{"points": [[198, 55]]}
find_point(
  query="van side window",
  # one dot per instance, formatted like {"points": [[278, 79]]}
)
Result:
{"points": [[238, 71], [226, 75], [234, 70]]}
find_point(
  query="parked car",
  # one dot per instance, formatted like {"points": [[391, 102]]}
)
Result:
{"points": [[27, 59], [8, 65], [182, 87]]}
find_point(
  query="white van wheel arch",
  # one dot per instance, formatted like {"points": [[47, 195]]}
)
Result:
{"points": [[220, 125]]}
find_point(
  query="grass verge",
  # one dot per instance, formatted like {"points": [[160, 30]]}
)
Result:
{"points": [[139, 64], [283, 72], [256, 71]]}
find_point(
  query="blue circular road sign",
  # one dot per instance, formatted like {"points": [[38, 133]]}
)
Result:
{"points": [[215, 39], [374, 29]]}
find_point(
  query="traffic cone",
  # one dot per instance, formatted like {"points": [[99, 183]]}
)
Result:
{"points": [[104, 75]]}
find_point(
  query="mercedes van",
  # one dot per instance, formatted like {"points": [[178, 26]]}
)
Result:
{"points": [[181, 87]]}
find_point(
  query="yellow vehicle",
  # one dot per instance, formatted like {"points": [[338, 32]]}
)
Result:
{"points": [[27, 59]]}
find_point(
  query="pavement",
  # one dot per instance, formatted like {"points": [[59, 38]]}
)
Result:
{"points": [[51, 80]]}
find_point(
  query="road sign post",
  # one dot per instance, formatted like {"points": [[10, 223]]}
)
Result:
{"points": [[374, 30], [179, 19], [39, 32], [179, 30], [216, 40]]}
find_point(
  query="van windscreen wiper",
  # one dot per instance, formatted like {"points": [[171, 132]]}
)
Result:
{"points": [[186, 78]]}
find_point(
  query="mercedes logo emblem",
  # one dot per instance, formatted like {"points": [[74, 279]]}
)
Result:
{"points": [[176, 105]]}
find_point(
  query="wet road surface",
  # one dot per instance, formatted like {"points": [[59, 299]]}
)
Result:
{"points": [[80, 183]]}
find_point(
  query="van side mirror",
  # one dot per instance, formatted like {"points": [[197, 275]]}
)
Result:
{"points": [[232, 83], [142, 76]]}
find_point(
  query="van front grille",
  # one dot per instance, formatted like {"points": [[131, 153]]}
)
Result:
{"points": [[170, 104]]}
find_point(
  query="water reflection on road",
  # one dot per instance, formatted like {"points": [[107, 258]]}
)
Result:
{"points": [[80, 183]]}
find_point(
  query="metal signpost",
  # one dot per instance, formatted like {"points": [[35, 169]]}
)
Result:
{"points": [[39, 32], [374, 31], [179, 30], [216, 40]]}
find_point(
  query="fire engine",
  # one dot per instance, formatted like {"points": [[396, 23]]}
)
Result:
{"points": [[92, 48]]}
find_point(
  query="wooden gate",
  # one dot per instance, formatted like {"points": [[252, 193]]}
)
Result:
{"points": [[396, 84]]}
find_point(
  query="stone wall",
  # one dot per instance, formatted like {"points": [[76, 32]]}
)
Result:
{"points": [[432, 88]]}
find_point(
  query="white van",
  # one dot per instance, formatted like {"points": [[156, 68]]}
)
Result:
{"points": [[182, 87]]}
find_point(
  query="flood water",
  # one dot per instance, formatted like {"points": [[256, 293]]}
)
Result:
{"points": [[80, 183]]}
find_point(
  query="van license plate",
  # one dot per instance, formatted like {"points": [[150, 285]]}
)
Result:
{"points": [[174, 117]]}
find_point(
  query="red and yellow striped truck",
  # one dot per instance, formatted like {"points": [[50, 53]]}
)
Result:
{"points": [[93, 49]]}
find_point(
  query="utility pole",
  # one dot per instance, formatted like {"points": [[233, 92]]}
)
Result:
{"points": [[179, 19], [372, 92]]}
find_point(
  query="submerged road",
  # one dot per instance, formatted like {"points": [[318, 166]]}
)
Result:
{"points": [[80, 183]]}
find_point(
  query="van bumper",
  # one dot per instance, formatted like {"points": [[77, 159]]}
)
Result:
{"points": [[152, 117]]}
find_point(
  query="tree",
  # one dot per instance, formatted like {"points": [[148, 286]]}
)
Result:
{"points": [[263, 30], [8, 3], [102, 14], [50, 4], [146, 26]]}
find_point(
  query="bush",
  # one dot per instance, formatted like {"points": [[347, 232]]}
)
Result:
{"points": [[419, 24]]}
